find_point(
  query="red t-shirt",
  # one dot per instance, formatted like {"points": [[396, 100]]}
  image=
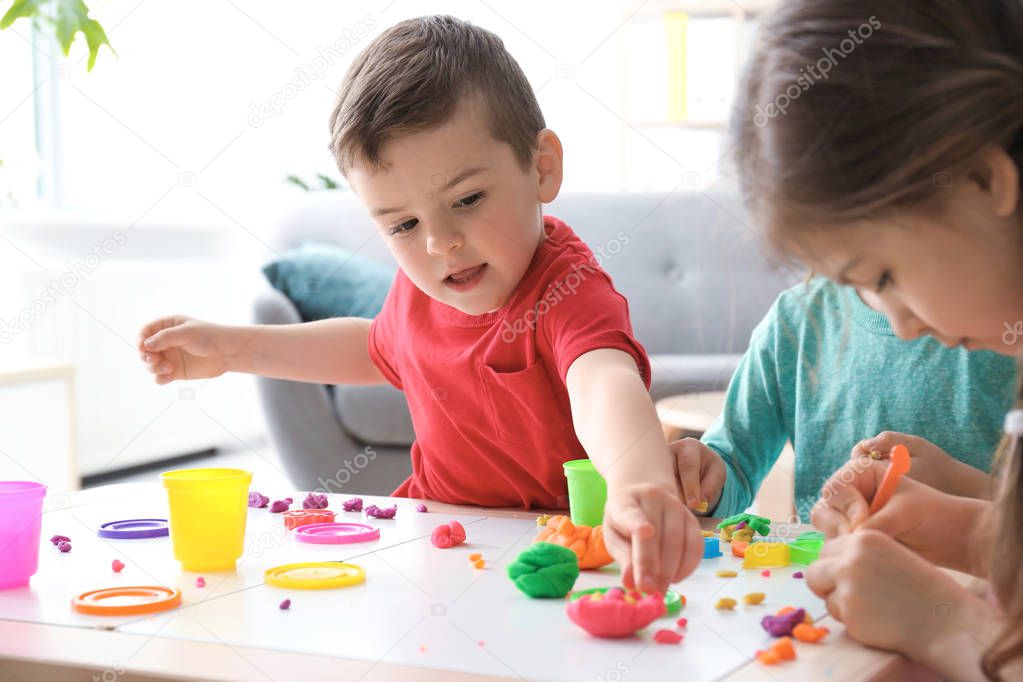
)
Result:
{"points": [[487, 392]]}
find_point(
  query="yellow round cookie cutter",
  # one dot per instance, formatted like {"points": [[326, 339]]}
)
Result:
{"points": [[315, 575]]}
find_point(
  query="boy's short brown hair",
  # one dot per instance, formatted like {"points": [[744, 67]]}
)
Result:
{"points": [[413, 76]]}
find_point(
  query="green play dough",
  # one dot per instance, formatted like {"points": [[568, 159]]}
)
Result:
{"points": [[545, 571]]}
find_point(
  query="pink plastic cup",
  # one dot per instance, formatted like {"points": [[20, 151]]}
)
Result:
{"points": [[21, 522]]}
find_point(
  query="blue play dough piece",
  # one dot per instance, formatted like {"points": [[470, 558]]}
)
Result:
{"points": [[711, 548]]}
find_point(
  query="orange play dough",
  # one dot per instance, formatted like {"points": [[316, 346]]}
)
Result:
{"points": [[586, 542]]}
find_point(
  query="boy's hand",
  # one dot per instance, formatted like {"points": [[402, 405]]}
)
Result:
{"points": [[700, 472], [653, 537], [179, 347], [931, 465]]}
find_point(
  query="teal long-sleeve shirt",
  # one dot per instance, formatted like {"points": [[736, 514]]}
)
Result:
{"points": [[824, 371]]}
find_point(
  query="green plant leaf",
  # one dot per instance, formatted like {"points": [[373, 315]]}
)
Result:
{"points": [[72, 17], [327, 181], [68, 18], [20, 9], [295, 180]]}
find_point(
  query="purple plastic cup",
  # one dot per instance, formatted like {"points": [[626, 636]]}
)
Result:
{"points": [[21, 523]]}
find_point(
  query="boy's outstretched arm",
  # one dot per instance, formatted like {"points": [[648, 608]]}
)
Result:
{"points": [[648, 530], [333, 351]]}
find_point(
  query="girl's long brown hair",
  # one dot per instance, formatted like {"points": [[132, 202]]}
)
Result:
{"points": [[854, 109]]}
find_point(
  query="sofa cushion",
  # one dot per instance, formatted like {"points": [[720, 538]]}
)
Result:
{"points": [[324, 281], [375, 415]]}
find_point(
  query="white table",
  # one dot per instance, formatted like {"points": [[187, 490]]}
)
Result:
{"points": [[423, 613]]}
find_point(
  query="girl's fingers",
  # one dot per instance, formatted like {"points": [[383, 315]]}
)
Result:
{"points": [[820, 577], [832, 604], [830, 521], [688, 466], [847, 493], [882, 444], [712, 479], [690, 477]]}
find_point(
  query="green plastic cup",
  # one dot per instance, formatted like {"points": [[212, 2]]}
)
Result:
{"points": [[587, 492]]}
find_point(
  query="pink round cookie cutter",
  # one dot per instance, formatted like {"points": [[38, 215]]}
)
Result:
{"points": [[336, 533]]}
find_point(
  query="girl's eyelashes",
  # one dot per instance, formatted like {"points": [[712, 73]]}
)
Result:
{"points": [[470, 201], [883, 281], [404, 227]]}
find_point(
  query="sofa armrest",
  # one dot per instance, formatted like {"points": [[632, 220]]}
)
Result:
{"points": [[316, 451]]}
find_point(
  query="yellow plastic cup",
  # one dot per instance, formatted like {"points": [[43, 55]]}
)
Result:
{"points": [[208, 508]]}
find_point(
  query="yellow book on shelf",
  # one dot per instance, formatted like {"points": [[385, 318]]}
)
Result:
{"points": [[676, 25]]}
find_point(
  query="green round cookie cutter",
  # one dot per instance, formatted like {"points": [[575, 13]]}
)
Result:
{"points": [[672, 599]]}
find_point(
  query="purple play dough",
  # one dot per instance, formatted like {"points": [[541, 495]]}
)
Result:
{"points": [[378, 513], [258, 500], [314, 501], [781, 626]]}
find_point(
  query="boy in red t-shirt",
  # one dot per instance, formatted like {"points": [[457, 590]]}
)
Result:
{"points": [[513, 348]]}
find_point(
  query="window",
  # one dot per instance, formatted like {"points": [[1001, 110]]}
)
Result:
{"points": [[19, 163], [210, 105]]}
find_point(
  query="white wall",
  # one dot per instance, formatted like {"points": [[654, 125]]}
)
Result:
{"points": [[80, 290]]}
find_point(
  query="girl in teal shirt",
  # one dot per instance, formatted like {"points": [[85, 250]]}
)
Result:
{"points": [[825, 371]]}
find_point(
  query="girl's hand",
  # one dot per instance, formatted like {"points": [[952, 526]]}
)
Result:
{"points": [[886, 595], [942, 528], [700, 472], [180, 347], [931, 464], [653, 537]]}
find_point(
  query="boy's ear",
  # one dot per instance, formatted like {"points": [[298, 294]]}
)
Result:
{"points": [[549, 166], [997, 175]]}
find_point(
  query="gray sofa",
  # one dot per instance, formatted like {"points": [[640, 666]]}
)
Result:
{"points": [[697, 280]]}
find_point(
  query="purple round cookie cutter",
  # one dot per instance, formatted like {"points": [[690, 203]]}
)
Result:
{"points": [[336, 533], [134, 529]]}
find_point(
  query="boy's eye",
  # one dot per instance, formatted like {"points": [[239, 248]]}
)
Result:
{"points": [[404, 227], [884, 280], [470, 200]]}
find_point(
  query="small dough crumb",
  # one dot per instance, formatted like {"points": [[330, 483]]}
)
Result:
{"points": [[725, 574], [725, 603], [667, 637], [754, 598]]}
